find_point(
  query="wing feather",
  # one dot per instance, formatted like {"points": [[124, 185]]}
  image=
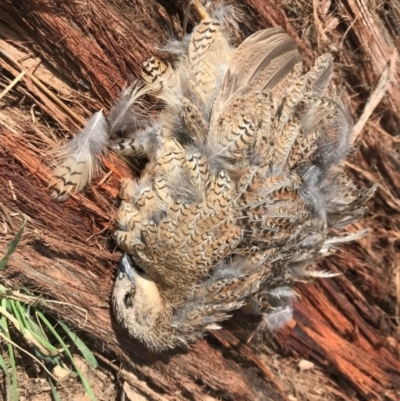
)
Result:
{"points": [[260, 62]]}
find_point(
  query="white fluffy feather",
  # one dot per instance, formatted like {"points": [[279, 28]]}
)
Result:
{"points": [[124, 117], [279, 317]]}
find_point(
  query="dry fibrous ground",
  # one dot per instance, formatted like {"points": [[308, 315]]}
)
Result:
{"points": [[84, 53]]}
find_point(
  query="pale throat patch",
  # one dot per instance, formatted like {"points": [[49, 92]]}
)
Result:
{"points": [[148, 292]]}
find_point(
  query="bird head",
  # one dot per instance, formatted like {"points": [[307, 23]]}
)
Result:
{"points": [[139, 306]]}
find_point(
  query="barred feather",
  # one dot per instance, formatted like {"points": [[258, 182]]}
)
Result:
{"points": [[80, 159]]}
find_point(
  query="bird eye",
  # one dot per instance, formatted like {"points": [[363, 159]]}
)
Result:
{"points": [[128, 300]]}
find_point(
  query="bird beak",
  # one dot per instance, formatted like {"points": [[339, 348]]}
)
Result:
{"points": [[125, 268]]}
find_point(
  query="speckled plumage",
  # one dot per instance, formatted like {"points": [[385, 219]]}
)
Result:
{"points": [[243, 186]]}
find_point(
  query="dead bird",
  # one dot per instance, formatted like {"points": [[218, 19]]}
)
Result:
{"points": [[244, 185]]}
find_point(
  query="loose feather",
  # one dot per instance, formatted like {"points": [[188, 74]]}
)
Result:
{"points": [[81, 159], [130, 112], [279, 317], [133, 129]]}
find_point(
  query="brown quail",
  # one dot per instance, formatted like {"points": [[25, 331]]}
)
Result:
{"points": [[243, 186]]}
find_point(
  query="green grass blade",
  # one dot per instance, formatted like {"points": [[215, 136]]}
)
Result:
{"points": [[85, 351], [10, 354], [16, 312], [26, 321], [85, 383], [52, 351], [3, 365], [27, 334], [54, 391], [22, 311], [11, 247], [37, 328], [37, 332]]}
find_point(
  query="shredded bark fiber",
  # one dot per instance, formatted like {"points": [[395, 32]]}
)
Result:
{"points": [[85, 53]]}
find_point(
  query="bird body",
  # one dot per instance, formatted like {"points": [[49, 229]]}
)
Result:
{"points": [[244, 184]]}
